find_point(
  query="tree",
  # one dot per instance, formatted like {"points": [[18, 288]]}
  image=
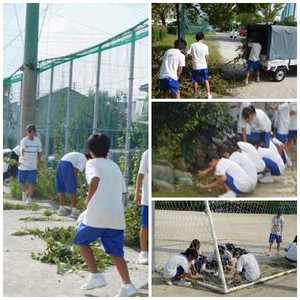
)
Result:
{"points": [[269, 11], [160, 12]]}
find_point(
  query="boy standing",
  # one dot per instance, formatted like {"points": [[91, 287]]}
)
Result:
{"points": [[66, 180], [142, 201], [104, 218], [253, 63], [199, 53], [30, 157], [282, 121], [276, 232], [171, 68], [292, 136]]}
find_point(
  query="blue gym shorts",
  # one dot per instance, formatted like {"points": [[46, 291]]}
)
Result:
{"points": [[169, 84], [199, 76], [292, 135], [283, 138], [25, 176], [275, 237], [230, 183], [111, 239], [253, 65], [65, 180], [264, 137], [272, 167], [144, 216]]}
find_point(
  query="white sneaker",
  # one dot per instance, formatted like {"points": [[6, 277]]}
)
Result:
{"points": [[288, 162], [62, 211], [229, 194], [127, 290], [182, 282], [246, 82], [28, 200], [209, 96], [143, 258], [94, 280], [266, 179], [75, 213], [24, 196]]}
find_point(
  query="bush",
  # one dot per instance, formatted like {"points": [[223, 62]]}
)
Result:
{"points": [[45, 187], [132, 219], [158, 33], [15, 189]]}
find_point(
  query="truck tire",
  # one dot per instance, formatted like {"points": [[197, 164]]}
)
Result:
{"points": [[279, 74]]}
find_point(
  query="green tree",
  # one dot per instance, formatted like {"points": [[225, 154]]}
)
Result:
{"points": [[161, 11]]}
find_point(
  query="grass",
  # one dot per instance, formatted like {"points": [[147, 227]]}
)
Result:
{"points": [[14, 206], [39, 219]]}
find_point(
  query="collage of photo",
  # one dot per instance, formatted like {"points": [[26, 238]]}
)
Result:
{"points": [[149, 149]]}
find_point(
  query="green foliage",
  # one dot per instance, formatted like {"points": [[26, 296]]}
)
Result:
{"points": [[158, 33], [162, 11], [15, 189], [45, 187], [12, 206], [132, 219], [289, 21], [40, 219]]}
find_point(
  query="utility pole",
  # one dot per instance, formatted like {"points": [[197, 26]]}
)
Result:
{"points": [[180, 20], [29, 84]]}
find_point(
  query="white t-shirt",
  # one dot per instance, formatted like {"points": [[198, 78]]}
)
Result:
{"points": [[248, 263], [241, 178], [261, 122], [29, 150], [244, 161], [283, 118], [77, 159], [241, 122], [144, 167], [277, 225], [255, 51], [106, 208], [173, 263], [172, 60], [293, 118], [198, 51], [272, 155], [292, 252], [253, 155]]}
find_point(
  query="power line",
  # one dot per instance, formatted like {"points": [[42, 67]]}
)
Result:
{"points": [[43, 21]]}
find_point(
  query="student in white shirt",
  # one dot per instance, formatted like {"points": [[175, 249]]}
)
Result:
{"points": [[260, 126], [104, 218], [253, 63], [291, 254], [247, 266], [170, 70], [66, 180], [30, 158], [282, 121], [243, 127], [141, 200], [199, 53], [292, 136], [229, 175], [276, 232], [177, 268]]}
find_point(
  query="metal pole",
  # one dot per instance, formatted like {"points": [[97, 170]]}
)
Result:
{"points": [[67, 122], [178, 20], [47, 137], [30, 66], [7, 129], [214, 238], [96, 100], [129, 110]]}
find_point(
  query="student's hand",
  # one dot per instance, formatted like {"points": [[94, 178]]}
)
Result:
{"points": [[200, 185], [201, 173], [138, 199]]}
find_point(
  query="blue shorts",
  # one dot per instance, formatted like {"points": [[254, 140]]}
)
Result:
{"points": [[111, 239], [144, 216], [253, 65], [200, 76], [263, 137], [283, 138], [65, 181], [275, 237], [179, 272], [292, 135], [230, 183], [272, 167], [169, 84], [29, 177], [199, 263]]}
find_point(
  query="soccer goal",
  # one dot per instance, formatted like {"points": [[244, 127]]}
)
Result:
{"points": [[245, 224]]}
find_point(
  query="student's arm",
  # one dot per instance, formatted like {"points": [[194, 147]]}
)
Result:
{"points": [[138, 187], [218, 182], [92, 189], [179, 71], [206, 171], [244, 134]]}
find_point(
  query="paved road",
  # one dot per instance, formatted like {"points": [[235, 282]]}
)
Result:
{"points": [[266, 89], [25, 277]]}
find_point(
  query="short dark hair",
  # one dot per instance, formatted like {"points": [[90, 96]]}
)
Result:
{"points": [[180, 44], [98, 144], [30, 128], [248, 111], [195, 244], [87, 155], [199, 36], [190, 252]]}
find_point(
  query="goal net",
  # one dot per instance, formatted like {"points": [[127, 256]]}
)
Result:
{"points": [[245, 224]]}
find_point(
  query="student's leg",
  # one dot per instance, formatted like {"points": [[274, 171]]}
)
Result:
{"points": [[122, 268], [30, 190], [270, 246], [278, 247], [258, 75], [61, 199], [88, 256], [247, 77], [144, 239], [177, 95], [207, 87], [74, 200], [196, 88]]}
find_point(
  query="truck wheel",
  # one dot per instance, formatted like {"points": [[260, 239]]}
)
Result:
{"points": [[279, 74]]}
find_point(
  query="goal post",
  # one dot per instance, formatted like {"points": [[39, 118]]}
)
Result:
{"points": [[246, 224]]}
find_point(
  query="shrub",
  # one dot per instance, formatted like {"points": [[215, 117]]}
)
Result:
{"points": [[132, 219]]}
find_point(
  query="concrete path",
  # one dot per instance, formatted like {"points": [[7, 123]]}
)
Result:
{"points": [[266, 89], [25, 277]]}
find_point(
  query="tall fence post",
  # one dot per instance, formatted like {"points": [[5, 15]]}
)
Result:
{"points": [[47, 137], [96, 99], [6, 129], [67, 124], [129, 111]]}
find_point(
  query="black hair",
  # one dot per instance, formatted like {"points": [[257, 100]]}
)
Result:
{"points": [[239, 251], [87, 155], [190, 252], [279, 212], [31, 128], [199, 36], [98, 144], [295, 239], [230, 247], [248, 111], [195, 244], [180, 44], [221, 249]]}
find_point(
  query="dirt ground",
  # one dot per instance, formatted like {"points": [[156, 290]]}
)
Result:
{"points": [[174, 231], [266, 89]]}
